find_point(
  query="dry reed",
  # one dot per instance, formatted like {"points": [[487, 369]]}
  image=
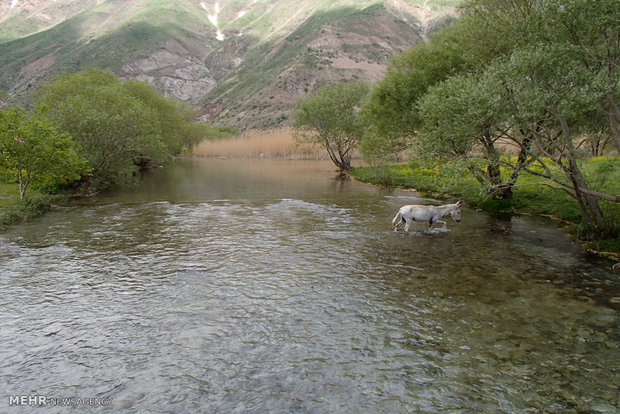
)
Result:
{"points": [[277, 143]]}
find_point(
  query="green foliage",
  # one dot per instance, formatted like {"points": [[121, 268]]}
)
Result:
{"points": [[330, 117], [541, 76], [32, 151], [381, 150], [118, 127], [215, 132], [532, 194], [391, 108], [9, 215], [111, 127], [459, 114], [487, 30], [32, 205], [603, 173], [173, 118]]}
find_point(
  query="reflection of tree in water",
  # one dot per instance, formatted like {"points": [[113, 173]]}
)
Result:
{"points": [[341, 181], [500, 222]]}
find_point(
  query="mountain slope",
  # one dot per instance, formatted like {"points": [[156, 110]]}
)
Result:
{"points": [[20, 18], [109, 35], [328, 47], [242, 61]]}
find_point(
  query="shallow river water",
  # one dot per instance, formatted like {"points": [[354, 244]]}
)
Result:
{"points": [[234, 286]]}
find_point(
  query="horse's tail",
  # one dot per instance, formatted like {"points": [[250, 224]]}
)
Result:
{"points": [[397, 219]]}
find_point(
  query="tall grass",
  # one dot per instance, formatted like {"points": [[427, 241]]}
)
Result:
{"points": [[277, 143]]}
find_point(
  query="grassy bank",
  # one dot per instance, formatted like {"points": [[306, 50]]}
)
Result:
{"points": [[13, 210], [529, 196]]}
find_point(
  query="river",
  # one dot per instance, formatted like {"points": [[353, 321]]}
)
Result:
{"points": [[251, 286]]}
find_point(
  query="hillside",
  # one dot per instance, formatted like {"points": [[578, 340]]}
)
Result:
{"points": [[242, 62]]}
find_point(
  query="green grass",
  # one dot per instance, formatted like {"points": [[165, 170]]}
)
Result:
{"points": [[530, 196], [8, 196], [8, 190], [9, 204]]}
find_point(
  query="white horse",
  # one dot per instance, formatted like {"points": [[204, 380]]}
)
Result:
{"points": [[430, 214]]}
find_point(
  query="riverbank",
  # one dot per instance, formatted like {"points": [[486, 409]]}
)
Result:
{"points": [[530, 197], [13, 210]]}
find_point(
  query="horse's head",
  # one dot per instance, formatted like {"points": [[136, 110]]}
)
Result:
{"points": [[456, 212]]}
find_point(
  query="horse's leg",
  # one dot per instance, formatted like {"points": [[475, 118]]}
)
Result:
{"points": [[407, 224], [442, 222], [398, 217], [430, 223]]}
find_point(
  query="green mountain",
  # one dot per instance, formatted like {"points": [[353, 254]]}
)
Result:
{"points": [[242, 62]]}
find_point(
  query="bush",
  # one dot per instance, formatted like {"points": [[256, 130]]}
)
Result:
{"points": [[34, 205], [9, 216], [18, 211], [118, 127]]}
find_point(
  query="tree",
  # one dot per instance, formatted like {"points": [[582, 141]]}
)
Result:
{"points": [[541, 75], [555, 99], [34, 152], [462, 118], [543, 98], [330, 117], [562, 87], [391, 109], [173, 117], [485, 31], [118, 127], [590, 29]]}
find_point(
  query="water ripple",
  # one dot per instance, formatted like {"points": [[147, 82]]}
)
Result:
{"points": [[294, 306]]}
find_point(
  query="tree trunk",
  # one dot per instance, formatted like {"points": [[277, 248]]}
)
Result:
{"points": [[614, 120], [498, 189], [22, 185], [339, 157], [592, 213], [526, 145]]}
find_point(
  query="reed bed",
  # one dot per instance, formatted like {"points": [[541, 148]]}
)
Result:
{"points": [[259, 144]]}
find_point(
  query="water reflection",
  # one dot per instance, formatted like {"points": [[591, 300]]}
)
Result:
{"points": [[267, 286]]}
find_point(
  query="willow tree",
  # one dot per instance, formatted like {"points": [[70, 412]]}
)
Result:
{"points": [[462, 119], [391, 109], [117, 126], [556, 98], [330, 117], [589, 29], [111, 128], [555, 87]]}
